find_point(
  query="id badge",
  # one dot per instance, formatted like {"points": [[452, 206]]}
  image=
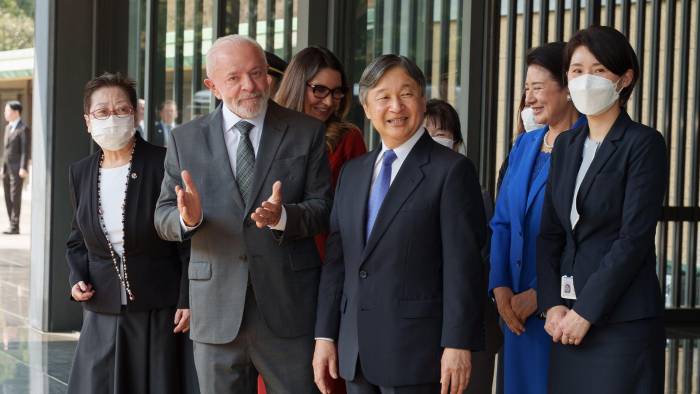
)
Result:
{"points": [[567, 288]]}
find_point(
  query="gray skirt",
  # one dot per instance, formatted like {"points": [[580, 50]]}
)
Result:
{"points": [[132, 352]]}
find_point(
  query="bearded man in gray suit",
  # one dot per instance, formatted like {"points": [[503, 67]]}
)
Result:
{"points": [[249, 184]]}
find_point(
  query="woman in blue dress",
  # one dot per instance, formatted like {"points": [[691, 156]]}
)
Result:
{"points": [[516, 222]]}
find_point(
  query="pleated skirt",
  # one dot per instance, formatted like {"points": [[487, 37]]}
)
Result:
{"points": [[612, 359], [132, 352]]}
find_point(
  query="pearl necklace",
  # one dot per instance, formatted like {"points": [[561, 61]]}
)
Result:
{"points": [[545, 145], [124, 280]]}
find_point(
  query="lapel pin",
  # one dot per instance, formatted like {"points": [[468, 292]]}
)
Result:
{"points": [[133, 175]]}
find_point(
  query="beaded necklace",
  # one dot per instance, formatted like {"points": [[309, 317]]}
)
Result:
{"points": [[124, 280]]}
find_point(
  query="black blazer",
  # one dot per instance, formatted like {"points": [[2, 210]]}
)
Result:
{"points": [[417, 285], [157, 269], [18, 147], [611, 252]]}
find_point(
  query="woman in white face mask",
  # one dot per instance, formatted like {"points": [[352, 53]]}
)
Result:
{"points": [[442, 123], [132, 285], [513, 280], [596, 253]]}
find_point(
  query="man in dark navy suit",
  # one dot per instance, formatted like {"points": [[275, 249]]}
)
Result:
{"points": [[15, 164], [401, 294]]}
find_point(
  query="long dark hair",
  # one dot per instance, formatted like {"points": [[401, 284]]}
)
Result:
{"points": [[292, 90]]}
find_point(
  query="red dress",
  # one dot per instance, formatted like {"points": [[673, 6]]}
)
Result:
{"points": [[350, 146]]}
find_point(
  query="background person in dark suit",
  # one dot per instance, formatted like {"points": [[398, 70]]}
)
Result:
{"points": [[15, 163], [168, 115], [402, 287], [249, 184], [596, 262], [132, 284]]}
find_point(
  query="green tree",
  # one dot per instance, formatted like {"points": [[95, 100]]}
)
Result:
{"points": [[16, 29]]}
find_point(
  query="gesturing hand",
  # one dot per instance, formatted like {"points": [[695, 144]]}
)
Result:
{"points": [[82, 291], [503, 297], [188, 202], [325, 364], [455, 370], [269, 213]]}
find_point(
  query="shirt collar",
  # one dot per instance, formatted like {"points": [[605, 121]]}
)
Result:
{"points": [[13, 125], [230, 119], [404, 149]]}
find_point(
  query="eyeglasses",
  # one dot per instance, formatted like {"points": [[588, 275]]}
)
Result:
{"points": [[104, 113], [321, 92]]}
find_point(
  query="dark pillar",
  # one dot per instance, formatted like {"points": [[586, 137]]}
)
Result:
{"points": [[70, 48]]}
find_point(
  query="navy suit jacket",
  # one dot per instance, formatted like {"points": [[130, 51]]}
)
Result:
{"points": [[611, 251], [416, 285]]}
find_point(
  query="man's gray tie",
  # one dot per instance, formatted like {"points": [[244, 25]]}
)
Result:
{"points": [[245, 160]]}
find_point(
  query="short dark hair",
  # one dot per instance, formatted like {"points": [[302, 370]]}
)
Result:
{"points": [[550, 57], [611, 48], [380, 65], [15, 106], [445, 117], [109, 80]]}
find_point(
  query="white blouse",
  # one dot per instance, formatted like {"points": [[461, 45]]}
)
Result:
{"points": [[112, 192]]}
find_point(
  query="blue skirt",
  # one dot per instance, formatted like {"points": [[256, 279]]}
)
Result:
{"points": [[526, 359]]}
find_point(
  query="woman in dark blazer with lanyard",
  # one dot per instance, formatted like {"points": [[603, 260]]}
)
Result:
{"points": [[596, 251], [133, 285]]}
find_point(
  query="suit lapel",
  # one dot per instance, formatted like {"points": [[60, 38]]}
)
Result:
{"points": [[605, 151], [537, 184], [525, 174], [95, 215], [216, 145], [572, 158], [408, 178], [272, 135], [136, 179]]}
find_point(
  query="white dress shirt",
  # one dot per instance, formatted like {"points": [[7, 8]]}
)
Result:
{"points": [[401, 152], [232, 137]]}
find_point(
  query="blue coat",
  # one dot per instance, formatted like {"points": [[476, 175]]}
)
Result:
{"points": [[516, 225]]}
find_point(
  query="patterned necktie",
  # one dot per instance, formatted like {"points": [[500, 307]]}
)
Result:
{"points": [[245, 160], [379, 190]]}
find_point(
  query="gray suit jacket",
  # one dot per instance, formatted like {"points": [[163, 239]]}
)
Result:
{"points": [[227, 247]]}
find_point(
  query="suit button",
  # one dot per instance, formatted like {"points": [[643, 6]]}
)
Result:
{"points": [[520, 233], [248, 222], [363, 274], [243, 257], [519, 263]]}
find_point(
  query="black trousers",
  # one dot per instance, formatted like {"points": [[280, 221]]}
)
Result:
{"points": [[12, 186]]}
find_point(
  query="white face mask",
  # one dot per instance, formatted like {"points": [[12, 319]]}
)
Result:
{"points": [[529, 122], [112, 133], [444, 141], [593, 95]]}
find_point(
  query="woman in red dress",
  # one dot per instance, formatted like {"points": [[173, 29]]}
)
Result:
{"points": [[315, 84]]}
